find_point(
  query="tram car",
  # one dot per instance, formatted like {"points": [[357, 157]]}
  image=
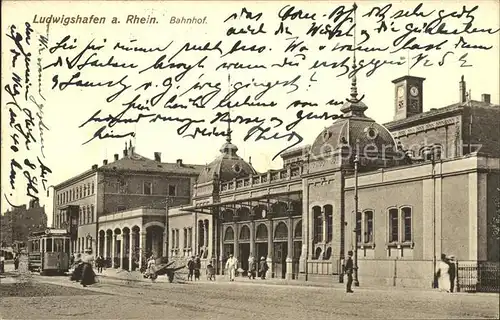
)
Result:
{"points": [[49, 251]]}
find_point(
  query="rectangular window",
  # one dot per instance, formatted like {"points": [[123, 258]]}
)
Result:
{"points": [[148, 188], [92, 188], [368, 226], [358, 227], [190, 237], [393, 225], [172, 191], [407, 224]]}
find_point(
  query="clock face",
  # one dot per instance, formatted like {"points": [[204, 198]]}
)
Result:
{"points": [[401, 92], [414, 91]]}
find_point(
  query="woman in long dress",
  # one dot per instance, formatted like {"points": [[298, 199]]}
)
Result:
{"points": [[151, 269], [76, 275], [443, 271], [88, 275]]}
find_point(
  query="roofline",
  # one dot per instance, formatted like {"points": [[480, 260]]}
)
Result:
{"points": [[407, 77], [423, 116], [75, 178]]}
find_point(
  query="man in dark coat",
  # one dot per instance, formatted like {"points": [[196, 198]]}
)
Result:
{"points": [[191, 267], [348, 268]]}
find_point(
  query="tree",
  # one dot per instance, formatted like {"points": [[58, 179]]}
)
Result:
{"points": [[495, 221]]}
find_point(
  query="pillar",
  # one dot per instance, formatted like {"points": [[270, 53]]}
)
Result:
{"points": [[122, 250], [142, 245], [289, 258], [236, 242], [221, 246], [270, 249], [130, 249], [113, 249], [305, 229], [252, 236], [165, 243], [106, 239]]}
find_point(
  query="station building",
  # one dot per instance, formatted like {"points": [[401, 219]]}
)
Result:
{"points": [[425, 183]]}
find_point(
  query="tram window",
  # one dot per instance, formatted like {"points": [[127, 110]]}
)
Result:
{"points": [[48, 245], [58, 245]]}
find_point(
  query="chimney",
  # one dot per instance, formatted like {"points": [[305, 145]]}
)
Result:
{"points": [[104, 162], [125, 152], [486, 98], [116, 156], [158, 156], [462, 90], [179, 162], [94, 167]]}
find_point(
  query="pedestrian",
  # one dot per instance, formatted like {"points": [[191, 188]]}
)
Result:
{"points": [[151, 269], [77, 265], [348, 269], [16, 262], [263, 267], [210, 272], [252, 267], [88, 275], [231, 265], [191, 265], [197, 268], [452, 271], [443, 274], [99, 262]]}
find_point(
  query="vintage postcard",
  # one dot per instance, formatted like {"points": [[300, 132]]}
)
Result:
{"points": [[250, 160]]}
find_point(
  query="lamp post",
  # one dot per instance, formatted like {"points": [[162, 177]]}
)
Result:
{"points": [[356, 162]]}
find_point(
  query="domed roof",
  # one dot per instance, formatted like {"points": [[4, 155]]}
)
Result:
{"points": [[355, 131], [227, 166]]}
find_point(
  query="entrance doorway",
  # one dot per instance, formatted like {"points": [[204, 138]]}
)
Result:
{"points": [[280, 254], [244, 255], [260, 251]]}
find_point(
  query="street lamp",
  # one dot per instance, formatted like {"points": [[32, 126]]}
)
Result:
{"points": [[356, 162]]}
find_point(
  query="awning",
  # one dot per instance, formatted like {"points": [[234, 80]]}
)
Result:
{"points": [[277, 197]]}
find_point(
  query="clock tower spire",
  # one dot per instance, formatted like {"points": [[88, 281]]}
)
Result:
{"points": [[408, 96]]}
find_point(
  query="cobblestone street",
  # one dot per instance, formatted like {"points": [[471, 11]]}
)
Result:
{"points": [[36, 297]]}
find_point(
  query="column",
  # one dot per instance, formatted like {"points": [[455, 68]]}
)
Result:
{"points": [[270, 247], [252, 236], [289, 258], [142, 246], [113, 249], [221, 246], [130, 250], [305, 229], [165, 243], [236, 242], [122, 250]]}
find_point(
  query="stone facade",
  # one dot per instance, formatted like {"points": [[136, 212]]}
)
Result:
{"points": [[426, 187]]}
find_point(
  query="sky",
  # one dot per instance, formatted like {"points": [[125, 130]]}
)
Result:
{"points": [[67, 109]]}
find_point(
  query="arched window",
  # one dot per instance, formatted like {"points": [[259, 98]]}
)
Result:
{"points": [[393, 225], [245, 233], [281, 231], [201, 233], [368, 232], [328, 253], [261, 233], [298, 230], [227, 215], [406, 217], [358, 227], [229, 234], [317, 253]]}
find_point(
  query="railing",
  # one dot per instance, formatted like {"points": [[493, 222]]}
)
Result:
{"points": [[480, 277], [265, 178]]}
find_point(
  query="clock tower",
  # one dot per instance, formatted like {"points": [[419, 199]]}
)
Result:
{"points": [[409, 96]]}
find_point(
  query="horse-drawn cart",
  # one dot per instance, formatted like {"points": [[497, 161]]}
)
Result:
{"points": [[161, 269]]}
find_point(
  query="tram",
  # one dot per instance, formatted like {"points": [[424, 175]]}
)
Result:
{"points": [[49, 251]]}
